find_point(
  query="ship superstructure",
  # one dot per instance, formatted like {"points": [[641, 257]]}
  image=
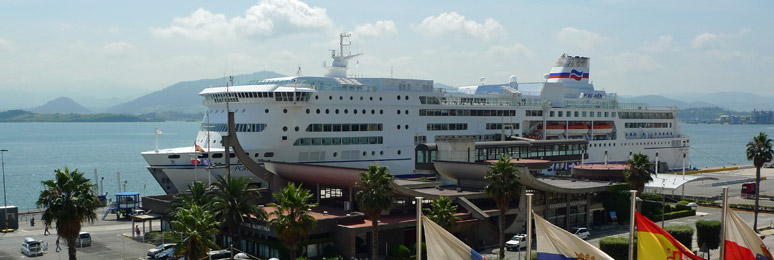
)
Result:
{"points": [[355, 122]]}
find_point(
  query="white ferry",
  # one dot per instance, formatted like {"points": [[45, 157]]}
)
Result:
{"points": [[355, 122]]}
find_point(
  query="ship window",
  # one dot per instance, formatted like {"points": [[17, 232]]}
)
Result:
{"points": [[217, 155], [257, 154], [316, 97], [267, 111], [330, 97], [584, 113], [361, 98], [337, 111], [318, 111], [173, 156], [269, 154], [335, 154], [341, 98], [307, 111], [398, 112], [406, 112], [398, 127], [407, 97], [380, 98], [381, 111], [327, 111], [551, 114], [284, 128], [398, 152], [398, 97], [371, 98], [354, 111], [576, 113], [283, 111], [373, 111], [204, 155], [560, 113]]}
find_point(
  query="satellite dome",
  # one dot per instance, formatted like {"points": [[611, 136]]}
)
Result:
{"points": [[512, 79]]}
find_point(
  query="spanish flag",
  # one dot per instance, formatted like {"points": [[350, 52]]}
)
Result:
{"points": [[198, 148], [654, 243]]}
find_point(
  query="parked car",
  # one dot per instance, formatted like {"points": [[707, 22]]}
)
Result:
{"points": [[84, 239], [137, 212], [32, 247], [516, 242], [219, 254], [153, 251], [242, 256], [165, 254], [581, 232]]}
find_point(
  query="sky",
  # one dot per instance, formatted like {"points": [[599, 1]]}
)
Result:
{"points": [[102, 52]]}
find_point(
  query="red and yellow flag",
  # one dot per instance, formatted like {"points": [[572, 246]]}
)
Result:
{"points": [[654, 243], [198, 148]]}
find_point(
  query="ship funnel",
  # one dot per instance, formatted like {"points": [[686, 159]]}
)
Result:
{"points": [[570, 70]]}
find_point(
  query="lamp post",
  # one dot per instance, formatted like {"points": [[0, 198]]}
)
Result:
{"points": [[5, 197]]}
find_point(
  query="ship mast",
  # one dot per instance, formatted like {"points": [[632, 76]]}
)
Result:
{"points": [[338, 68]]}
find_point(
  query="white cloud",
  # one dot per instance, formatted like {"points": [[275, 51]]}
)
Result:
{"points": [[703, 39], [456, 24], [380, 28], [265, 18], [515, 50], [6, 45], [634, 62], [578, 38], [664, 42]]}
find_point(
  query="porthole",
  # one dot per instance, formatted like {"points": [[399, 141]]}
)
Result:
{"points": [[381, 152], [398, 152], [346, 111], [364, 111], [361, 98], [406, 127], [337, 111], [296, 128], [243, 110], [335, 154], [398, 97], [364, 153], [307, 111], [381, 112], [267, 111], [341, 98], [318, 111], [406, 97], [398, 127], [380, 98], [327, 111], [316, 97], [284, 111], [351, 98], [398, 112], [373, 111], [373, 153], [354, 111], [330, 97], [406, 112], [371, 98], [284, 129]]}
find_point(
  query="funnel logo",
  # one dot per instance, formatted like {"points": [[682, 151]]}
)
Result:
{"points": [[576, 75]]}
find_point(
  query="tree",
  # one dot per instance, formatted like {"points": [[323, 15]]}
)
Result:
{"points": [[198, 228], [291, 219], [708, 234], [69, 200], [233, 203], [374, 196], [759, 151], [442, 212], [503, 186], [639, 172], [197, 195]]}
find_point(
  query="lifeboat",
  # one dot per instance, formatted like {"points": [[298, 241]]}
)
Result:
{"points": [[602, 129], [553, 130], [577, 129]]}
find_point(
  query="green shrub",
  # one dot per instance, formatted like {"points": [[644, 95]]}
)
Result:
{"points": [[651, 196], [615, 247], [674, 215], [400, 252], [708, 233], [683, 233]]}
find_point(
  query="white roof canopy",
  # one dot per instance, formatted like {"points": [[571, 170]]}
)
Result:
{"points": [[671, 181]]}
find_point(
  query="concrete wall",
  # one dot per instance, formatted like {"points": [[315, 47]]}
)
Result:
{"points": [[460, 149]]}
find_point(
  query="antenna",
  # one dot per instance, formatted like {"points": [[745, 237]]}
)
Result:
{"points": [[298, 73]]}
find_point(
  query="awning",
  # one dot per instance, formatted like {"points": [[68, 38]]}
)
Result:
{"points": [[671, 181]]}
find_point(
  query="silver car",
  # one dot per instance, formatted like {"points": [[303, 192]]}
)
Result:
{"points": [[32, 247], [84, 239]]}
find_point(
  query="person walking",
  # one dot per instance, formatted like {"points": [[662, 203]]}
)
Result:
{"points": [[46, 232], [137, 229], [32, 221], [57, 245]]}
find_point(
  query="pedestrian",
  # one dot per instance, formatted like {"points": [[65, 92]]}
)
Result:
{"points": [[57, 245], [137, 229], [46, 232], [32, 221]]}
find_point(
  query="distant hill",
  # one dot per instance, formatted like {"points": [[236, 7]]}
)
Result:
{"points": [[182, 96], [661, 101], [26, 116], [704, 114], [737, 101], [62, 105]]}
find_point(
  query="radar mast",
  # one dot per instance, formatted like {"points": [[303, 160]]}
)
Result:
{"points": [[338, 68]]}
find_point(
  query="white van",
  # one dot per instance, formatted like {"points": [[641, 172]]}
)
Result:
{"points": [[84, 239], [32, 247]]}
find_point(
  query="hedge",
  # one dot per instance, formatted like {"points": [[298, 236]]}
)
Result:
{"points": [[616, 247], [400, 252], [683, 233], [708, 233], [750, 207], [674, 215]]}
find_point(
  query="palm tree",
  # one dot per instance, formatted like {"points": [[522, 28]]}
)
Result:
{"points": [[291, 219], [233, 203], [504, 185], [639, 172], [759, 151], [374, 196], [197, 195], [69, 200], [442, 212], [198, 228]]}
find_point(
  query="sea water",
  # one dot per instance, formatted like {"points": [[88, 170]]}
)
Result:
{"points": [[35, 150]]}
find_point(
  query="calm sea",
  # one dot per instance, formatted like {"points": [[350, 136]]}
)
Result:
{"points": [[36, 149]]}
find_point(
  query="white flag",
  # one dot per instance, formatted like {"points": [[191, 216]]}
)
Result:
{"points": [[741, 241], [443, 245], [158, 131], [556, 243]]}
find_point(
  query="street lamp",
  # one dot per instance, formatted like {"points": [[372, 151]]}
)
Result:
{"points": [[5, 197]]}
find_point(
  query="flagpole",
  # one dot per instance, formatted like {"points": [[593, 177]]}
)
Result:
{"points": [[419, 228], [157, 139], [529, 225], [723, 224], [631, 224]]}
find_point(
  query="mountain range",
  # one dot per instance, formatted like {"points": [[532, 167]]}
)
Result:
{"points": [[182, 97]]}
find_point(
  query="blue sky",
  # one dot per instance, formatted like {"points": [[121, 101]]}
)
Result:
{"points": [[101, 51]]}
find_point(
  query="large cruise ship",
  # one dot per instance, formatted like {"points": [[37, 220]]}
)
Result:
{"points": [[355, 122]]}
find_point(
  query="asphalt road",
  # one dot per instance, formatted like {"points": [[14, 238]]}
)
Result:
{"points": [[107, 242]]}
